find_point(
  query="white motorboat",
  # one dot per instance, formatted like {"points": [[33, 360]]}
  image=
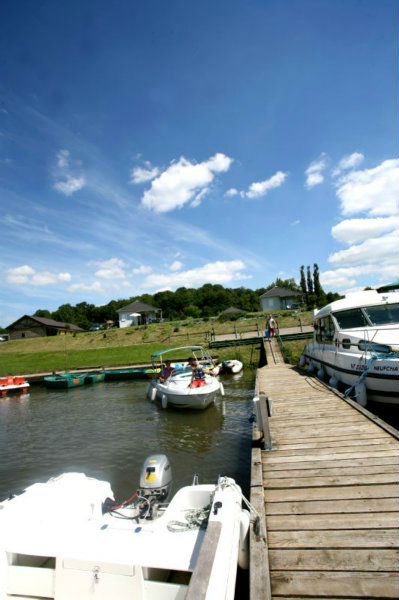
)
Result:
{"points": [[176, 390], [66, 539], [232, 366], [356, 344]]}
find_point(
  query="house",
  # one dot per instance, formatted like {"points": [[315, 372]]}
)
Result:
{"points": [[232, 310], [279, 299], [138, 313], [30, 326]]}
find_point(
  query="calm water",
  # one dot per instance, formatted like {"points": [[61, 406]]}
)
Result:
{"points": [[108, 429]]}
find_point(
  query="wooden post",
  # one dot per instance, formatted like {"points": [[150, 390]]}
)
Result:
{"points": [[257, 327], [300, 323], [262, 416], [235, 330]]}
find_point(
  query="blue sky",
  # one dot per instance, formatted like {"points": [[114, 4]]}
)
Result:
{"points": [[145, 146]]}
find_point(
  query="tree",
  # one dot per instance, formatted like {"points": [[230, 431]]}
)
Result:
{"points": [[318, 290], [309, 280], [304, 289]]}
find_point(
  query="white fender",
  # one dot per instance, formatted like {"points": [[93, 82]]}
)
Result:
{"points": [[243, 546], [361, 394], [302, 361], [216, 370], [221, 388], [333, 381], [164, 401], [320, 372], [153, 394]]}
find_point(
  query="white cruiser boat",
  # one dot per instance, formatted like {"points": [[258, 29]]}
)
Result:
{"points": [[176, 390], [356, 343], [66, 539]]}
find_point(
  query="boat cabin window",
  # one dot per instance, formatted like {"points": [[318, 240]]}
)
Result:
{"points": [[324, 329], [349, 319], [386, 314]]}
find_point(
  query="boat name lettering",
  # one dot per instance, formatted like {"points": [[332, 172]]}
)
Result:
{"points": [[386, 368]]}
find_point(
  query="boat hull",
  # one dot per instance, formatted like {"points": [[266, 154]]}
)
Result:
{"points": [[183, 396], [382, 380], [138, 373], [64, 382]]}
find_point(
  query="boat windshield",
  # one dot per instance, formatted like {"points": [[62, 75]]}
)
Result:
{"points": [[382, 314], [349, 319], [386, 314]]}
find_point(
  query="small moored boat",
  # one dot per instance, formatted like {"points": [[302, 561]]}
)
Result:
{"points": [[13, 383], [232, 366], [133, 373], [67, 538], [65, 381], [176, 391], [96, 377]]}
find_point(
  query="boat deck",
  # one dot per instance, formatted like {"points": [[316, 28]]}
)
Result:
{"points": [[327, 493]]}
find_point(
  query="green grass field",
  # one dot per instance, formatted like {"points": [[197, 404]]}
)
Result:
{"points": [[128, 346]]}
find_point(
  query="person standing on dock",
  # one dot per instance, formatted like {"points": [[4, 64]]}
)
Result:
{"points": [[271, 326]]}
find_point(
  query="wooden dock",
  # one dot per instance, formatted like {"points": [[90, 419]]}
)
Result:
{"points": [[327, 493]]}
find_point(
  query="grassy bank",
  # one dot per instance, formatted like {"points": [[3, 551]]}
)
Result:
{"points": [[128, 346], [12, 363], [293, 350]]}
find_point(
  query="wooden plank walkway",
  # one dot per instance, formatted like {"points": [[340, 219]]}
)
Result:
{"points": [[329, 494]]}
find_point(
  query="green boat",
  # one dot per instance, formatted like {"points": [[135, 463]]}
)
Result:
{"points": [[95, 377], [135, 373], [68, 380]]}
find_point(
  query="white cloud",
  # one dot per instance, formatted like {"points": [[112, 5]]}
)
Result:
{"points": [[110, 269], [176, 265], [295, 222], [357, 230], [19, 274], [381, 248], [182, 181], [67, 182], [142, 270], [217, 272], [69, 185], [64, 276], [63, 159], [27, 275], [348, 162], [231, 192], [374, 191], [314, 171], [142, 175], [261, 188], [83, 287], [345, 277], [198, 197]]}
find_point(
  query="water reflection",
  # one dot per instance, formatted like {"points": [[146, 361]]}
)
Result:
{"points": [[107, 430]]}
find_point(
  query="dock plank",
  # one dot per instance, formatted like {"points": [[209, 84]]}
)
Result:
{"points": [[354, 584], [377, 520], [330, 492], [334, 560]]}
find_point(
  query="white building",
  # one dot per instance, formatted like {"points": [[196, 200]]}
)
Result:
{"points": [[279, 299], [138, 313]]}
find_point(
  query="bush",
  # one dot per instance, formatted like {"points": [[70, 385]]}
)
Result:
{"points": [[230, 317], [176, 329]]}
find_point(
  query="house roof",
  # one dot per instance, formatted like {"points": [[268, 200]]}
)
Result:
{"points": [[280, 293], [138, 307], [231, 309], [48, 323]]}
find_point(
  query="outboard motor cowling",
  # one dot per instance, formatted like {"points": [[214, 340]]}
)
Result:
{"points": [[156, 478]]}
